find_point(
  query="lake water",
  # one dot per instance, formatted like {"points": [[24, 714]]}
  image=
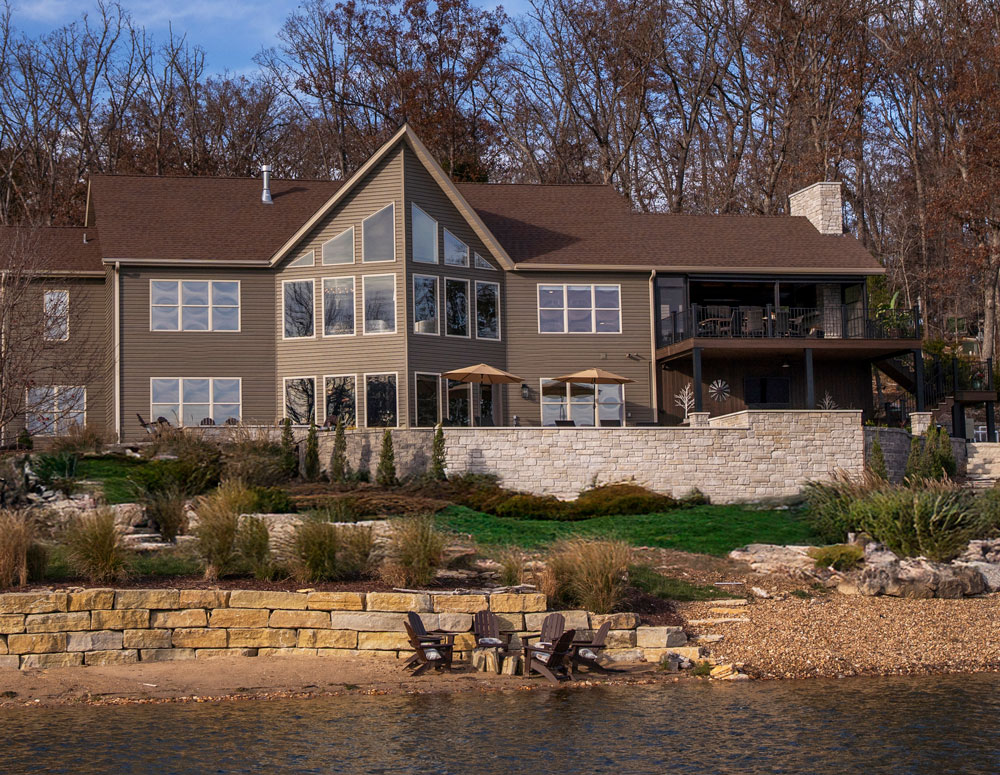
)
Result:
{"points": [[886, 725]]}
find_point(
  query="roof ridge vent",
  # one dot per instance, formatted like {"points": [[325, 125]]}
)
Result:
{"points": [[265, 197]]}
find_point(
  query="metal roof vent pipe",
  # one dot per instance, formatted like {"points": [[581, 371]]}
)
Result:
{"points": [[265, 197]]}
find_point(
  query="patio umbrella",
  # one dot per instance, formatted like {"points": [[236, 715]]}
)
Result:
{"points": [[595, 377], [482, 374]]}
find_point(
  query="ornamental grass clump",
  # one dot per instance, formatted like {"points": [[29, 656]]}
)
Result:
{"points": [[16, 538], [828, 504], [95, 547], [253, 544], [218, 521], [415, 552], [167, 510], [322, 551], [588, 573]]}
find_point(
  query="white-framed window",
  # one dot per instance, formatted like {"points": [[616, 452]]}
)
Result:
{"points": [[192, 401], [56, 311], [482, 263], [300, 400], [338, 306], [379, 303], [425, 304], [339, 249], [582, 402], [306, 259], [298, 309], [381, 401], [579, 309], [456, 252], [194, 305], [425, 236], [53, 410], [427, 399], [341, 399], [487, 310], [378, 236], [459, 406], [456, 304]]}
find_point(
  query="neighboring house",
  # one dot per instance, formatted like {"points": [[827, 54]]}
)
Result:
{"points": [[349, 299]]}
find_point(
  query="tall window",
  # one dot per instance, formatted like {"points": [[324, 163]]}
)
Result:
{"points": [[459, 402], [300, 400], [297, 298], [428, 400], [379, 303], [425, 304], [338, 306], [425, 237], [195, 401], [380, 401], [378, 236], [194, 305], [53, 410], [611, 404], [341, 400], [488, 404], [579, 309], [456, 300], [487, 310], [56, 305], [456, 252], [582, 402], [340, 249]]}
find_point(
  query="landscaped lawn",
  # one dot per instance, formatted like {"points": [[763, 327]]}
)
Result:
{"points": [[703, 529], [113, 472]]}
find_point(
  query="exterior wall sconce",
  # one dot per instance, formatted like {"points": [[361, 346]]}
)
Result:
{"points": [[525, 391]]}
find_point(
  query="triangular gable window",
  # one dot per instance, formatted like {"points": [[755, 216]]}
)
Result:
{"points": [[340, 249], [306, 259], [482, 263]]}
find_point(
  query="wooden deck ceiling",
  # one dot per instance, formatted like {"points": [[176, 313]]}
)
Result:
{"points": [[829, 347]]}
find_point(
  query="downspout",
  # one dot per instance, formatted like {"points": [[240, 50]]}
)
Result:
{"points": [[117, 354], [654, 388]]}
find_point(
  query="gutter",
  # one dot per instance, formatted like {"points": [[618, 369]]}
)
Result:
{"points": [[654, 371], [216, 263], [117, 354], [765, 270]]}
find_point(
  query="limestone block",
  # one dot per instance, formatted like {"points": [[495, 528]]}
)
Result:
{"points": [[623, 655], [455, 622], [286, 652], [11, 662], [11, 623], [96, 640], [41, 643], [132, 619], [327, 639], [258, 637], [239, 617], [335, 601], [199, 638], [660, 637], [245, 598], [204, 598], [622, 621], [513, 603], [191, 617], [382, 641], [224, 653], [620, 639], [165, 655], [117, 657], [465, 641], [3, 645], [148, 598], [317, 620], [146, 639], [43, 661], [686, 652], [459, 604], [33, 602], [398, 601], [509, 622], [575, 620], [335, 653], [376, 622], [91, 600], [63, 622]]}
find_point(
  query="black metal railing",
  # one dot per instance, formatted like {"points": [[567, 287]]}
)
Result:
{"points": [[842, 321]]}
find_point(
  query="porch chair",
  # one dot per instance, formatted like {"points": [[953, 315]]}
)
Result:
{"points": [[428, 655], [149, 427], [486, 627], [430, 638], [752, 321], [552, 629], [551, 661], [565, 424], [586, 653]]}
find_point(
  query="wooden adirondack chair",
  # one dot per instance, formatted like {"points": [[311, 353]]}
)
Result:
{"points": [[429, 638], [436, 655], [553, 661], [552, 628], [486, 627], [586, 654]]}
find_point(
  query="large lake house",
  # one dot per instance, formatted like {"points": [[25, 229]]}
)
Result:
{"points": [[216, 300]]}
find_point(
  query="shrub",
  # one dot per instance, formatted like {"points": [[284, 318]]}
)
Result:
{"points": [[187, 476], [310, 465], [271, 500], [314, 551], [16, 539], [526, 506], [589, 573], [79, 438], [415, 552], [944, 456], [385, 474], [829, 503], [94, 547], [253, 544], [56, 471], [24, 440], [840, 557], [693, 497], [339, 468], [357, 551], [915, 466], [876, 460], [437, 468], [218, 522], [340, 509], [289, 451], [259, 465], [37, 560], [625, 498], [988, 506], [167, 510]]}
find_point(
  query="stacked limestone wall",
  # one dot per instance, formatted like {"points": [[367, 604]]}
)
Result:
{"points": [[895, 443], [106, 626]]}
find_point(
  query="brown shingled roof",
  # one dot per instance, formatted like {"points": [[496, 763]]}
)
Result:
{"points": [[52, 248]]}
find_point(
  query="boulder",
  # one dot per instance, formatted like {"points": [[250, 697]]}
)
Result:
{"points": [[769, 558], [919, 578], [990, 573], [129, 514]]}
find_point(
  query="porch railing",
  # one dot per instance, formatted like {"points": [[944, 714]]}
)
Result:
{"points": [[842, 321]]}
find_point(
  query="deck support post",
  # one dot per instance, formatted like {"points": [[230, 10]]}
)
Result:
{"points": [[696, 358], [918, 378], [991, 421], [958, 420], [810, 381]]}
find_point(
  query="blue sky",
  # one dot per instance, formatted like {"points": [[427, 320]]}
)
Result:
{"points": [[230, 31]]}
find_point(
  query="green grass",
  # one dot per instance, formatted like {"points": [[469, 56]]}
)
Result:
{"points": [[648, 580], [113, 472], [167, 562], [712, 530]]}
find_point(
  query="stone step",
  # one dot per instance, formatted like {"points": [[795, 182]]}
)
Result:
{"points": [[711, 638], [730, 620], [729, 601]]}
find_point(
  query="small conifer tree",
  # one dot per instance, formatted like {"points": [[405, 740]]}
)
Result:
{"points": [[437, 455], [944, 456], [289, 452], [338, 460], [914, 461], [385, 474], [311, 463], [876, 460]]}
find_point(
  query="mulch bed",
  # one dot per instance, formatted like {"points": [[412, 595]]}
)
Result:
{"points": [[198, 582], [651, 609]]}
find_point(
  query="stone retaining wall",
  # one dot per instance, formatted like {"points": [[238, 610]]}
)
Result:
{"points": [[895, 444], [106, 626]]}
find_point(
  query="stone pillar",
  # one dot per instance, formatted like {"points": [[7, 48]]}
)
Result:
{"points": [[699, 419], [920, 422]]}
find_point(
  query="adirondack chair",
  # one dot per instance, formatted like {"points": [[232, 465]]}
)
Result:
{"points": [[551, 661], [436, 655], [586, 653], [486, 627], [430, 638], [552, 627]]}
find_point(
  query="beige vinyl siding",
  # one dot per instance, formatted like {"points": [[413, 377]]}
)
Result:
{"points": [[533, 356], [358, 354], [435, 354], [247, 354], [109, 347]]}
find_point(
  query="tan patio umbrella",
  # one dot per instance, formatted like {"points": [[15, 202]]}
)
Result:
{"points": [[595, 377], [483, 374]]}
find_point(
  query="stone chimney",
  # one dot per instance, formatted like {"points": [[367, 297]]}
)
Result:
{"points": [[820, 203]]}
